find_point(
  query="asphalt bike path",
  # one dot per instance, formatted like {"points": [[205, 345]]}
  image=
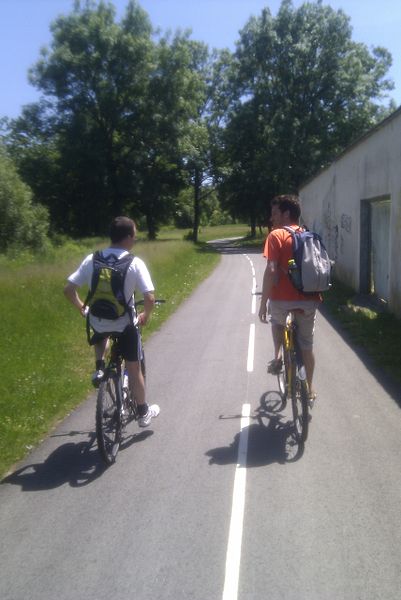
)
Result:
{"points": [[214, 500]]}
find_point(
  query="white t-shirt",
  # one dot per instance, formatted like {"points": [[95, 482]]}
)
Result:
{"points": [[137, 279]]}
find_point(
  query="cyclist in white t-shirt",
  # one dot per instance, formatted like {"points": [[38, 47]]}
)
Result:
{"points": [[122, 236]]}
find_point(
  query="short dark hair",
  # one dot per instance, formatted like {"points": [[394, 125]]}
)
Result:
{"points": [[120, 228], [288, 202]]}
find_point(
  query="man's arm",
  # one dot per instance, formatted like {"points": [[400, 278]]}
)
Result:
{"points": [[148, 304], [71, 293], [270, 278]]}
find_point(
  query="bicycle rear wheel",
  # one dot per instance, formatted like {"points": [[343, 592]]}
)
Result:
{"points": [[108, 419], [129, 401], [299, 402]]}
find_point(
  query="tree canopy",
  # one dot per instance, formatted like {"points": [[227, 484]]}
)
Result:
{"points": [[23, 224], [302, 90], [129, 118]]}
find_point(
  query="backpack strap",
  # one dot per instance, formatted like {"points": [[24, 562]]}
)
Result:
{"points": [[126, 261], [95, 278], [88, 328], [292, 231]]}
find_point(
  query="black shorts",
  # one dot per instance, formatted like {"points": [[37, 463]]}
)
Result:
{"points": [[130, 342]]}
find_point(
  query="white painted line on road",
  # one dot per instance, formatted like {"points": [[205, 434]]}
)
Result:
{"points": [[253, 292], [253, 309], [251, 348], [233, 557]]}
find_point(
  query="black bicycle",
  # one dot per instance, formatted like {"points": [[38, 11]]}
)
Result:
{"points": [[115, 407], [292, 380]]}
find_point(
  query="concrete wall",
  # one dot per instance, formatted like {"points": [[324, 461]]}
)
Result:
{"points": [[332, 201]]}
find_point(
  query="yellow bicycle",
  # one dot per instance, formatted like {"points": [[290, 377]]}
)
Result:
{"points": [[292, 379]]}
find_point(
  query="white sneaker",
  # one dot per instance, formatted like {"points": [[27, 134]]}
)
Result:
{"points": [[312, 399], [153, 411], [97, 378]]}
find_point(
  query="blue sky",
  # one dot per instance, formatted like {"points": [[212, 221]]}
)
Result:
{"points": [[24, 28]]}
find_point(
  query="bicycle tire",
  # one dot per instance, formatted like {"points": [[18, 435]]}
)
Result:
{"points": [[130, 402], [299, 403], [108, 419], [143, 366], [282, 377]]}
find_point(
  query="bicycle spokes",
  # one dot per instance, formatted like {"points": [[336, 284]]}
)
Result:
{"points": [[108, 419]]}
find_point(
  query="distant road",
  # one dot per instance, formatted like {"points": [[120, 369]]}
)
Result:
{"points": [[213, 502]]}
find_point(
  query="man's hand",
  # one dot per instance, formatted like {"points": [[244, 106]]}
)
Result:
{"points": [[142, 319], [149, 302], [71, 293], [263, 312]]}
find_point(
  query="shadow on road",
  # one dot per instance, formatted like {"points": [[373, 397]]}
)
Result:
{"points": [[76, 464], [270, 437], [389, 383], [230, 246]]}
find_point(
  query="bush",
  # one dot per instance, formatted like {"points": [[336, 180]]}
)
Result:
{"points": [[24, 224]]}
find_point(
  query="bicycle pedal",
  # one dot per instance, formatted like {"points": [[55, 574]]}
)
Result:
{"points": [[109, 413]]}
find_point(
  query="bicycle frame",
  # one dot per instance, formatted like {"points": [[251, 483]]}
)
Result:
{"points": [[292, 380], [115, 365], [115, 406]]}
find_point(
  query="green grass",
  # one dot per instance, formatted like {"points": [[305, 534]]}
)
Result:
{"points": [[45, 357], [205, 233], [256, 242], [377, 332]]}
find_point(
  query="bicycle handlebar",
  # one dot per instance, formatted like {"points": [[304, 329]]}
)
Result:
{"points": [[157, 301]]}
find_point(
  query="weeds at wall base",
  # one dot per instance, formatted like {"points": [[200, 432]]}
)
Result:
{"points": [[369, 325]]}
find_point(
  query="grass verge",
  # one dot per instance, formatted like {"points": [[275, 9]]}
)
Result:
{"points": [[376, 331], [46, 360]]}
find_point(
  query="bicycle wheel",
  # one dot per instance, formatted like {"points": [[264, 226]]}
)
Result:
{"points": [[299, 402], [108, 419], [282, 377], [129, 401]]}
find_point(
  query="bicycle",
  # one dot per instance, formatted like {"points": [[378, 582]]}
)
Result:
{"points": [[292, 379], [115, 407]]}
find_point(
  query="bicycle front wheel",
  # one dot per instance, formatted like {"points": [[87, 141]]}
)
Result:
{"points": [[299, 401], [108, 419], [282, 377]]}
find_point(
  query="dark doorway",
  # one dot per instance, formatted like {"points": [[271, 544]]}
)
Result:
{"points": [[375, 247]]}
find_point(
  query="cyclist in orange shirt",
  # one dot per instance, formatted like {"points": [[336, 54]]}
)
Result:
{"points": [[280, 292]]}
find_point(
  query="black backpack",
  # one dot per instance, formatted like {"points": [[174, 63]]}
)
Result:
{"points": [[106, 298]]}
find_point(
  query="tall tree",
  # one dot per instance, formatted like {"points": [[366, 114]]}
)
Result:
{"points": [[116, 105], [95, 76], [172, 104], [303, 90], [196, 142], [201, 146]]}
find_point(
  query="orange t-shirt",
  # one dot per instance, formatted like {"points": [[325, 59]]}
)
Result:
{"points": [[278, 248]]}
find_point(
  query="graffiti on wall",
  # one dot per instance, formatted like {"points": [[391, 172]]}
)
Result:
{"points": [[331, 232], [346, 223]]}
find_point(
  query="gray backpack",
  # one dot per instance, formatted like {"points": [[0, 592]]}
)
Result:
{"points": [[312, 260]]}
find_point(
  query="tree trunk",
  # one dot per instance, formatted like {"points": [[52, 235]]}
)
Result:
{"points": [[113, 187], [151, 226], [253, 225], [197, 208]]}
